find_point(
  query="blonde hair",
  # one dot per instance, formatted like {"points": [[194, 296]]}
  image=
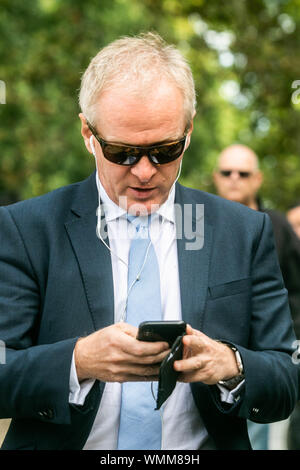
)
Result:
{"points": [[143, 60]]}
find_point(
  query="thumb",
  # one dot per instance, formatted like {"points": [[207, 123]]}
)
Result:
{"points": [[192, 331], [130, 330]]}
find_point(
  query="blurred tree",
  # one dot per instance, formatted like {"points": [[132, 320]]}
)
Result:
{"points": [[45, 46], [244, 55]]}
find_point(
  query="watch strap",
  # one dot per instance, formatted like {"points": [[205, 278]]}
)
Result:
{"points": [[233, 382]]}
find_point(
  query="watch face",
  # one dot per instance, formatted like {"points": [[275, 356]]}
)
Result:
{"points": [[232, 383]]}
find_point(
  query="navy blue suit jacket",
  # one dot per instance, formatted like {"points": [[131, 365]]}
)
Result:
{"points": [[56, 285]]}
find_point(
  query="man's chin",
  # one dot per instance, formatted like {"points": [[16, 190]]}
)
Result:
{"points": [[142, 208], [235, 197], [142, 205]]}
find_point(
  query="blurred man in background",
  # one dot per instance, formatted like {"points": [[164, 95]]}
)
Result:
{"points": [[238, 178]]}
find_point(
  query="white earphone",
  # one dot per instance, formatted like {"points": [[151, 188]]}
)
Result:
{"points": [[187, 142], [92, 146]]}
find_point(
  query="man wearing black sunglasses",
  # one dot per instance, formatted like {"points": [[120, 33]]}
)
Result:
{"points": [[64, 287], [237, 177]]}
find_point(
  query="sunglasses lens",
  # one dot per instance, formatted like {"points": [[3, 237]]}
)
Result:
{"points": [[119, 154], [242, 174], [167, 153], [225, 172]]}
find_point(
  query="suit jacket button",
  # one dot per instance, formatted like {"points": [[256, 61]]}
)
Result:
{"points": [[47, 414]]}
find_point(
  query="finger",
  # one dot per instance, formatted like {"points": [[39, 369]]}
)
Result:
{"points": [[194, 342], [198, 376], [138, 348], [190, 364], [144, 371], [187, 352], [136, 378], [142, 359], [128, 329], [153, 359], [192, 331], [188, 377], [140, 372], [189, 330]]}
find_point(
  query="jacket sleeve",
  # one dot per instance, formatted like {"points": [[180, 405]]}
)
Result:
{"points": [[271, 376], [34, 379]]}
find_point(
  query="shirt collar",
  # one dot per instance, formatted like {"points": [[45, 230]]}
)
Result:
{"points": [[112, 211]]}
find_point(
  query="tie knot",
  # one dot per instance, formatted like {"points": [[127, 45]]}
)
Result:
{"points": [[141, 224], [136, 220]]}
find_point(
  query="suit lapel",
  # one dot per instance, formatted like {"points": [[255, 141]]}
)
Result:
{"points": [[193, 256], [92, 256]]}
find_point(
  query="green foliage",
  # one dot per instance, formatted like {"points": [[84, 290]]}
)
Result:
{"points": [[244, 55]]}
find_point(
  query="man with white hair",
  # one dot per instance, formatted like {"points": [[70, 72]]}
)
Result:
{"points": [[76, 376]]}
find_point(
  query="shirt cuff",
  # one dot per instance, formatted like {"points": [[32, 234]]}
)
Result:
{"points": [[78, 391], [230, 396]]}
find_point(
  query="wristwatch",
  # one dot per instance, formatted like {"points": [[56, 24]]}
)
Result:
{"points": [[234, 381]]}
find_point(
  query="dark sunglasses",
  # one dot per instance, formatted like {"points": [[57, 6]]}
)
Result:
{"points": [[130, 154], [242, 174]]}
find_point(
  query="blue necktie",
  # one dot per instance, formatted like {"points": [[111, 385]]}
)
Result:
{"points": [[140, 424]]}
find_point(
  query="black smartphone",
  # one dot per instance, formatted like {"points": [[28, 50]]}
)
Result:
{"points": [[161, 331]]}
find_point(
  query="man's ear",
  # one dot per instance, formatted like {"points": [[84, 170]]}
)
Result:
{"points": [[189, 133], [259, 178], [85, 132]]}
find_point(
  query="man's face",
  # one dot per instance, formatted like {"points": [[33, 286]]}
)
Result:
{"points": [[127, 118], [293, 216], [237, 177]]}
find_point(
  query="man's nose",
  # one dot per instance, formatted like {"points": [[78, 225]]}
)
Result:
{"points": [[235, 175], [144, 169]]}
